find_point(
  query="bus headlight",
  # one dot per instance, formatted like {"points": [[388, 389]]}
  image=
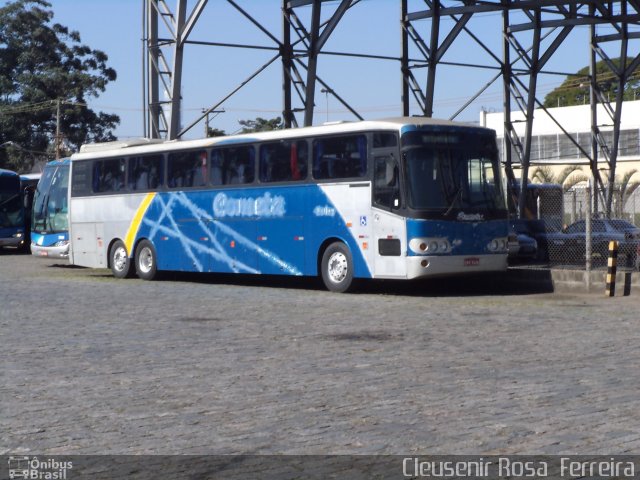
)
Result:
{"points": [[498, 245], [429, 246], [17, 235]]}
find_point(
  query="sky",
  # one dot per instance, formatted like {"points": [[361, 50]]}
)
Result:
{"points": [[372, 87]]}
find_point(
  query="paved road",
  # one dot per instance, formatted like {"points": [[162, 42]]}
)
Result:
{"points": [[213, 364]]}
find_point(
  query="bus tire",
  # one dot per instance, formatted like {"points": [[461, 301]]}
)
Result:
{"points": [[119, 260], [146, 260], [337, 268]]}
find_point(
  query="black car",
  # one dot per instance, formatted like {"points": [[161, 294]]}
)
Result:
{"points": [[523, 248], [569, 245]]}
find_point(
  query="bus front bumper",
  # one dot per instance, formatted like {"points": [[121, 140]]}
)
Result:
{"points": [[61, 251], [14, 241], [439, 266]]}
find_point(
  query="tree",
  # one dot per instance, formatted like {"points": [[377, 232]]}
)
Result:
{"points": [[623, 190], [261, 125], [575, 89], [215, 132], [44, 65]]}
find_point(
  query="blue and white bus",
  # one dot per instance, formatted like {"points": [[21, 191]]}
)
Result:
{"points": [[13, 231], [50, 213], [396, 199]]}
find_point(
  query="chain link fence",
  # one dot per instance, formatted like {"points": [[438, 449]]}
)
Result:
{"points": [[571, 230]]}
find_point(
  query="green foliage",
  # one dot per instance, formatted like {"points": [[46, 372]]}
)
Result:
{"points": [[215, 132], [575, 89], [42, 62], [261, 125], [623, 188]]}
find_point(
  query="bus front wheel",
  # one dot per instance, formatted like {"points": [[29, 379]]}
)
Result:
{"points": [[119, 260], [146, 260], [337, 267]]}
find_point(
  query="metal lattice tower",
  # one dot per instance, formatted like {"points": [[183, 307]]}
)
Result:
{"points": [[532, 33]]}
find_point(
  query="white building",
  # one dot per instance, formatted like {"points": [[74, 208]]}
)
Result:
{"points": [[550, 146]]}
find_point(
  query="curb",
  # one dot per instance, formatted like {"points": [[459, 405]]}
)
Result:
{"points": [[573, 281]]}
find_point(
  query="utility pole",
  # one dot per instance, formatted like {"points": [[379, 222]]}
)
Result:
{"points": [[58, 139], [206, 123], [207, 119]]}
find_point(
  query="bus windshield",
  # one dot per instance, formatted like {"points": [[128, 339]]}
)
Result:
{"points": [[448, 172], [50, 210], [11, 208]]}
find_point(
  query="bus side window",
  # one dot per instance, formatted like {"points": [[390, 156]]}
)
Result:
{"points": [[386, 185], [299, 158], [187, 169], [283, 161], [340, 157], [232, 165], [384, 140], [109, 175], [145, 173]]}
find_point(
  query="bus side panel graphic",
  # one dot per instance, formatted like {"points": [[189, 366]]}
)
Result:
{"points": [[247, 230]]}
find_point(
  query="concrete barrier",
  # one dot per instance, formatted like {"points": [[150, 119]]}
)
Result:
{"points": [[574, 281]]}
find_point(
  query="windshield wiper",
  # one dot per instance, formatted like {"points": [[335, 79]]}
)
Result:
{"points": [[456, 196], [45, 213], [9, 199]]}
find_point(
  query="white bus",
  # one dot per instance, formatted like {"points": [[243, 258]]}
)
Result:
{"points": [[396, 199]]}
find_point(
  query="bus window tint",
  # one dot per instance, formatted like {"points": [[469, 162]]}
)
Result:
{"points": [[81, 180], [146, 173], [187, 169], [385, 176], [232, 165], [283, 161], [108, 175], [340, 157], [384, 139], [11, 207]]}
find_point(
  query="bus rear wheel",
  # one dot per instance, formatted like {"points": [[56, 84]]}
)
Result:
{"points": [[337, 268], [119, 260], [146, 260]]}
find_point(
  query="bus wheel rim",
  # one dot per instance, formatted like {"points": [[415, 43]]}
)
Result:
{"points": [[120, 259], [337, 267], [146, 260]]}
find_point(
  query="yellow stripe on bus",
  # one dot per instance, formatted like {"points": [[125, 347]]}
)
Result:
{"points": [[137, 220]]}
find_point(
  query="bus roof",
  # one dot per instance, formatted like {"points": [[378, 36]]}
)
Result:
{"points": [[58, 162], [30, 176], [144, 145], [8, 173]]}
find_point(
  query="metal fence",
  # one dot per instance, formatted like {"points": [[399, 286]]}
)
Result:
{"points": [[573, 231]]}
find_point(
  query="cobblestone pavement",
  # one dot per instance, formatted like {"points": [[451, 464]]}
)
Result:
{"points": [[217, 364]]}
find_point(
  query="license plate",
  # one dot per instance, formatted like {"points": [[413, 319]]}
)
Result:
{"points": [[471, 262]]}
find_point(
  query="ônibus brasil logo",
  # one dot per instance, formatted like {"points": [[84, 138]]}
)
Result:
{"points": [[35, 468]]}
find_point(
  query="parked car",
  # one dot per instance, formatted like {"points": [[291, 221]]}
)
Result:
{"points": [[569, 245], [523, 247], [539, 230]]}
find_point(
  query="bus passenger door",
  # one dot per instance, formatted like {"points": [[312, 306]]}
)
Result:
{"points": [[389, 229]]}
